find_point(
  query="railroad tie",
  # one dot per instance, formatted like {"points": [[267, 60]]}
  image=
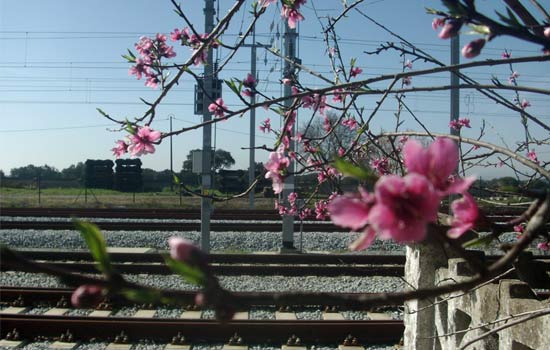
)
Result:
{"points": [[100, 313], [177, 347], [56, 311], [12, 340], [61, 345], [350, 343], [12, 310], [241, 315], [10, 344], [285, 315], [333, 316], [379, 316], [191, 315], [115, 346], [145, 313]]}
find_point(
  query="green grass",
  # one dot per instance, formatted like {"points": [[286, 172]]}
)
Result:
{"points": [[101, 198]]}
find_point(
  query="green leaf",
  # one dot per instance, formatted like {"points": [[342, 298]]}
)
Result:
{"points": [[481, 241], [176, 179], [130, 128], [130, 57], [96, 243], [231, 84], [143, 296], [190, 273], [347, 168], [480, 29]]}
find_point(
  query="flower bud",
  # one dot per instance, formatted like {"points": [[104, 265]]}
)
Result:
{"points": [[184, 250], [87, 295], [473, 48], [547, 32], [450, 29], [200, 299]]}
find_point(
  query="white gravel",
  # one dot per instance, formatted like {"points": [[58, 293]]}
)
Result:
{"points": [[220, 241]]}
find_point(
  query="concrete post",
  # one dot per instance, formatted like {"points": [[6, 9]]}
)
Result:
{"points": [[206, 204]]}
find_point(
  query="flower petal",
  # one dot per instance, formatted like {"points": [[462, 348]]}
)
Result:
{"points": [[348, 212]]}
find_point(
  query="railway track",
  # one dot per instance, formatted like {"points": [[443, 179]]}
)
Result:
{"points": [[231, 264], [227, 264], [190, 214], [332, 328], [171, 226], [259, 331]]}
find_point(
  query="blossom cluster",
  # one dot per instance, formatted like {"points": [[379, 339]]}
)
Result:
{"points": [[401, 207], [194, 41], [151, 51], [138, 144], [460, 123]]}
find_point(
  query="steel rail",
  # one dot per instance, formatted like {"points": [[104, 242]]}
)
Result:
{"points": [[232, 269], [170, 226], [262, 331], [163, 213], [30, 295], [368, 258]]}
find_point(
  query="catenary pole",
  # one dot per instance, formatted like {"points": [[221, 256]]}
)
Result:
{"points": [[206, 203], [252, 155], [290, 53]]}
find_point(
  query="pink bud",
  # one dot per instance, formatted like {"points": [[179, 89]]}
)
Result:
{"points": [[200, 299], [87, 295], [547, 32], [182, 249], [450, 29], [473, 48]]}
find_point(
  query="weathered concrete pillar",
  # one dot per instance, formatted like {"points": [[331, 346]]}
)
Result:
{"points": [[423, 259]]}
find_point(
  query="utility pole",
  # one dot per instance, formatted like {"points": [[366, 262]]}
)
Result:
{"points": [[290, 53], [252, 152], [171, 156], [455, 96], [207, 82], [455, 91]]}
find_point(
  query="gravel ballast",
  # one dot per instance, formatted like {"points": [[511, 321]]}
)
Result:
{"points": [[220, 241]]}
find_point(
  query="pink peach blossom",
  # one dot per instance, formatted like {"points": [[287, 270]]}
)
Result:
{"points": [[142, 142], [351, 211], [275, 166], [292, 15], [437, 163], [465, 213], [218, 108], [120, 149], [404, 206], [355, 71], [532, 155]]}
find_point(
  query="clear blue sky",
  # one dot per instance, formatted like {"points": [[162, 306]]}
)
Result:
{"points": [[62, 59]]}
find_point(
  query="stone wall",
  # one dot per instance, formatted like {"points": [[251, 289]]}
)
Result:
{"points": [[460, 317]]}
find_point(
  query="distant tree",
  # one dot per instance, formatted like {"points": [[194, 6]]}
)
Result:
{"points": [[75, 171], [316, 131], [31, 171], [2, 174], [222, 160]]}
